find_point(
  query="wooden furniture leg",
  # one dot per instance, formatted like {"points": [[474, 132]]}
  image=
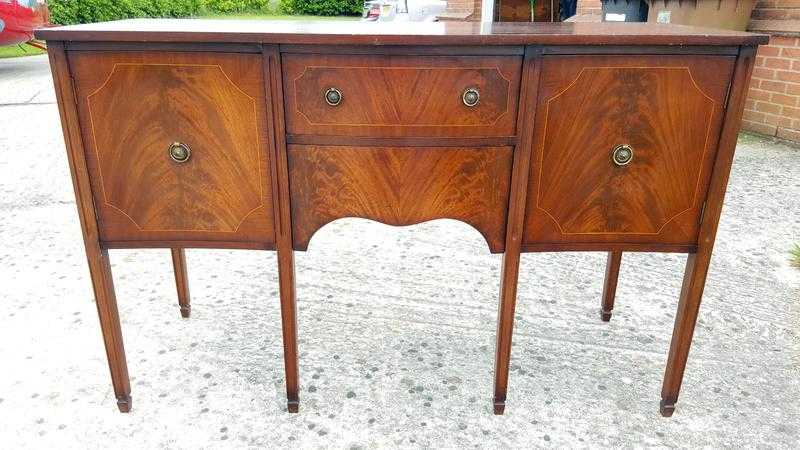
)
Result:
{"points": [[505, 327], [289, 324], [689, 305], [694, 277], [97, 257], [283, 241], [106, 301], [181, 281], [514, 229], [610, 285]]}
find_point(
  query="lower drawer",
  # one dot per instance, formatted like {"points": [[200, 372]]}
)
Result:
{"points": [[399, 186]]}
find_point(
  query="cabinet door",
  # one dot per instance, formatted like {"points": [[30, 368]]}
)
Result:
{"points": [[141, 113], [623, 148]]}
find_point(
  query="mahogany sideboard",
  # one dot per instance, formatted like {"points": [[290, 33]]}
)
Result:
{"points": [[543, 137]]}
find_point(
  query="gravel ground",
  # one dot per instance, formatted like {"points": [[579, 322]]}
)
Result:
{"points": [[396, 327]]}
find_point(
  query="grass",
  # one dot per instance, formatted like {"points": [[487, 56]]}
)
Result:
{"points": [[13, 51], [795, 252]]}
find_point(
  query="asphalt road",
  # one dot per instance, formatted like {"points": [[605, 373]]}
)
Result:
{"points": [[396, 325]]}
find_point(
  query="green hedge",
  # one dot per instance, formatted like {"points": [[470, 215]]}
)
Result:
{"points": [[322, 7], [226, 6], [66, 12], [84, 11]]}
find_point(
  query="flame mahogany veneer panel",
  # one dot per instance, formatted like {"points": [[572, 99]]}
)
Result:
{"points": [[388, 95], [399, 186], [134, 105], [669, 109]]}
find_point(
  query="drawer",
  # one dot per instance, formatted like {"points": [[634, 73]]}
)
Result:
{"points": [[399, 186], [135, 106], [663, 112], [383, 95]]}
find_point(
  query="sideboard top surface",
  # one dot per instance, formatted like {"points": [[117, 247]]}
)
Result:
{"points": [[372, 33]]}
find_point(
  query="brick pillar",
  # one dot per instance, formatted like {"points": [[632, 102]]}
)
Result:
{"points": [[462, 10], [588, 11], [590, 7], [773, 103]]}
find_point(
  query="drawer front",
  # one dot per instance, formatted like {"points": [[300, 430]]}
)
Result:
{"points": [[133, 106], [394, 96], [399, 186], [663, 111]]}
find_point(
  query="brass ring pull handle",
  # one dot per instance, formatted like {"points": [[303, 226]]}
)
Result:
{"points": [[333, 97], [179, 153], [622, 155], [471, 97]]}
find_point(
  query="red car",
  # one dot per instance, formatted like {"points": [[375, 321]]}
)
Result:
{"points": [[18, 19]]}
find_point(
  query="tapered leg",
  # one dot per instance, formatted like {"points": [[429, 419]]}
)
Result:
{"points": [[514, 234], [610, 285], [181, 281], [99, 267], [106, 301], [505, 326], [694, 278], [289, 323], [283, 217], [691, 293]]}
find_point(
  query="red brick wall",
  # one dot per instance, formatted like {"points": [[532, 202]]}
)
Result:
{"points": [[773, 104], [777, 10]]}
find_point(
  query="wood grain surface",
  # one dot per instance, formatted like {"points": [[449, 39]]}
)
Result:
{"points": [[134, 105], [399, 186], [398, 33], [385, 95], [667, 108]]}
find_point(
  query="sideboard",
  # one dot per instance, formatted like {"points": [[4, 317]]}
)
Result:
{"points": [[543, 137]]}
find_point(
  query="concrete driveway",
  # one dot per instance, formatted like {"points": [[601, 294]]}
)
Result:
{"points": [[397, 327]]}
